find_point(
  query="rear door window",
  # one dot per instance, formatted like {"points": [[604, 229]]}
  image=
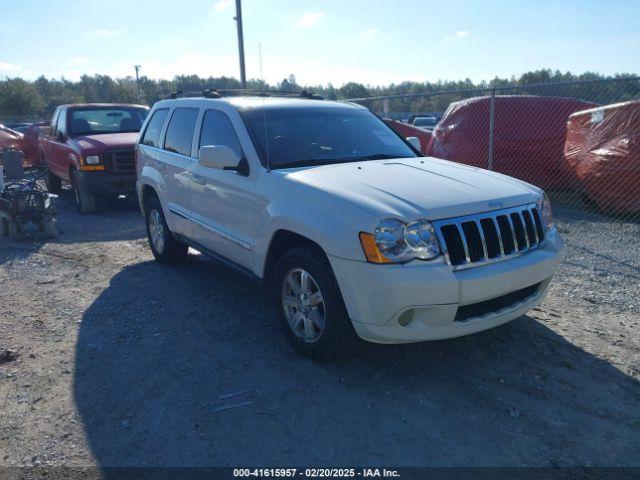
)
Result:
{"points": [[180, 131], [151, 135]]}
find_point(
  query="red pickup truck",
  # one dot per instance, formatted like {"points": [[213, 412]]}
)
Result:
{"points": [[90, 146]]}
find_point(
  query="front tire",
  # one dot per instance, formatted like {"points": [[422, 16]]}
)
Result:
{"points": [[85, 202], [165, 248], [310, 305]]}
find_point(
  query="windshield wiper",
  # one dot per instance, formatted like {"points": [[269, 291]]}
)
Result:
{"points": [[303, 163], [379, 156], [329, 161]]}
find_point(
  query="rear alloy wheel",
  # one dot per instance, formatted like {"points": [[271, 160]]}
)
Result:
{"points": [[85, 202], [165, 248], [156, 231]]}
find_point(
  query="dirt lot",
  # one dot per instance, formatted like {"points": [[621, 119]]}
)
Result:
{"points": [[119, 361]]}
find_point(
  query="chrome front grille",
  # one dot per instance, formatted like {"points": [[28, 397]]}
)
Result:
{"points": [[120, 160], [474, 240]]}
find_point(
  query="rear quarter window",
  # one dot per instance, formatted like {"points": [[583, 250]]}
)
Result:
{"points": [[151, 136], [180, 131]]}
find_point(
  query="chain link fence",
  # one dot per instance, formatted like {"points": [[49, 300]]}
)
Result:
{"points": [[579, 141]]}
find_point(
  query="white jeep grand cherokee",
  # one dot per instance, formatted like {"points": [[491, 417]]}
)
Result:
{"points": [[352, 228]]}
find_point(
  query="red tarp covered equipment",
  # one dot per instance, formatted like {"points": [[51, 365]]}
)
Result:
{"points": [[529, 135], [603, 149]]}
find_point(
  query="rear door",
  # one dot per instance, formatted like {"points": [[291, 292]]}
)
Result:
{"points": [[176, 161], [222, 200]]}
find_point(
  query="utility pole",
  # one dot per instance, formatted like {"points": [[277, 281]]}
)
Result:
{"points": [[137, 68], [238, 19]]}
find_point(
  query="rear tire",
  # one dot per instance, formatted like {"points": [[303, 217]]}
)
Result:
{"points": [[337, 336], [85, 202], [165, 248], [54, 184]]}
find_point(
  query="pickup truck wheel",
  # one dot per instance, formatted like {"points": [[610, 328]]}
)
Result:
{"points": [[165, 248], [85, 202], [54, 184], [310, 305]]}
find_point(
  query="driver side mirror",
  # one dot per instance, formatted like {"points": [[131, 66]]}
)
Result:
{"points": [[218, 156], [60, 136], [415, 142]]}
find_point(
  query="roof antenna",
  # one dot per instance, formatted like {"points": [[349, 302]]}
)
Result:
{"points": [[264, 111]]}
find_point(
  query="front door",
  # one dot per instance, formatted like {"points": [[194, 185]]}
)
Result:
{"points": [[222, 200], [58, 155]]}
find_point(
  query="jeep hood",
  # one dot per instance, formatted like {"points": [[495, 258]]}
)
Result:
{"points": [[422, 187], [95, 144]]}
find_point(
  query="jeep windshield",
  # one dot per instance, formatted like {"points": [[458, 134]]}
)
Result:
{"points": [[96, 121], [293, 137]]}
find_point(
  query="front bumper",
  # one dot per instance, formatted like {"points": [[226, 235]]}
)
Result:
{"points": [[107, 183], [377, 295]]}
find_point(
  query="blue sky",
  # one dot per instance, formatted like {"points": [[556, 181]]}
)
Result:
{"points": [[370, 41]]}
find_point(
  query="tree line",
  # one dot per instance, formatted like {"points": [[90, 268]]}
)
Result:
{"points": [[35, 100]]}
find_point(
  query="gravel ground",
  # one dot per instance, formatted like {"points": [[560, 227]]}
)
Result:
{"points": [[115, 360]]}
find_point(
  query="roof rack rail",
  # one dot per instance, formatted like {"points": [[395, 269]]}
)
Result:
{"points": [[233, 92]]}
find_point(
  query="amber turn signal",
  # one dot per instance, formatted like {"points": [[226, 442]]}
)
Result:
{"points": [[370, 248], [91, 168]]}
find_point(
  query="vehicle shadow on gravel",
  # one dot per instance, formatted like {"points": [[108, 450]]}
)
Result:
{"points": [[117, 220], [186, 366]]}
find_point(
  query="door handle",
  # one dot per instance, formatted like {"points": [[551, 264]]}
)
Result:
{"points": [[197, 178], [159, 165]]}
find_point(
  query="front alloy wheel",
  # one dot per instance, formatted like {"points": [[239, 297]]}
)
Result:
{"points": [[311, 309], [303, 305]]}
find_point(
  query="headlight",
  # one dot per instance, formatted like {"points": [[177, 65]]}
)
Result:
{"points": [[544, 205], [395, 242], [92, 160]]}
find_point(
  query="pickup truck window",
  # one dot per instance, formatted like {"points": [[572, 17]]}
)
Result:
{"points": [[151, 135], [218, 130], [290, 137], [180, 131], [96, 121], [61, 126], [54, 122]]}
